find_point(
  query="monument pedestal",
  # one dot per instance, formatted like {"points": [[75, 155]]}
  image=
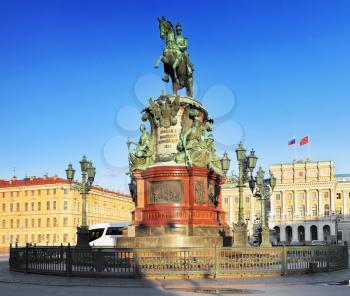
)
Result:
{"points": [[177, 206]]}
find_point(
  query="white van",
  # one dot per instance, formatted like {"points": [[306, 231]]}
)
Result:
{"points": [[106, 234]]}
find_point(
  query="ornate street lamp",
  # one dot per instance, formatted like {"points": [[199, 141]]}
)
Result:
{"points": [[262, 193], [246, 166], [88, 172], [225, 163]]}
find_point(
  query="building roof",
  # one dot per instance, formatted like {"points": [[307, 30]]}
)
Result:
{"points": [[32, 181]]}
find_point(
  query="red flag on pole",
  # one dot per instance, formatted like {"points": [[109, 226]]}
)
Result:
{"points": [[304, 141]]}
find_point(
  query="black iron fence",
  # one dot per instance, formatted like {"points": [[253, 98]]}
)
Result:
{"points": [[210, 262]]}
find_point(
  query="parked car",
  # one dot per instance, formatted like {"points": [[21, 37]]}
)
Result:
{"points": [[318, 243]]}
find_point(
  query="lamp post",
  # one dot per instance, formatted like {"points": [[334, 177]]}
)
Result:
{"points": [[263, 192], [246, 165], [88, 172]]}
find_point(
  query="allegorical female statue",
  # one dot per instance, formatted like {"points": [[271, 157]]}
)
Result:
{"points": [[143, 155]]}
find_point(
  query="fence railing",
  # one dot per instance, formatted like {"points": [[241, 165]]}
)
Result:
{"points": [[209, 262]]}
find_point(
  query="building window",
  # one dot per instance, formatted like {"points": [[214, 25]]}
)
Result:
{"points": [[290, 196], [54, 205], [32, 238], [302, 195], [65, 205], [47, 191], [39, 238], [32, 223], [39, 222], [39, 192], [338, 195], [54, 222], [247, 199], [26, 223], [32, 206], [326, 194], [226, 201], [314, 210], [48, 205], [47, 238], [65, 238], [17, 223], [11, 223], [278, 196], [65, 190], [47, 222], [11, 207], [236, 199], [339, 235], [326, 210], [3, 224], [32, 192], [54, 191], [302, 211], [26, 207], [39, 206], [4, 207], [290, 211], [65, 221], [18, 207]]}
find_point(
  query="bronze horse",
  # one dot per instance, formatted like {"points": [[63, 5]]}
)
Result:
{"points": [[173, 60]]}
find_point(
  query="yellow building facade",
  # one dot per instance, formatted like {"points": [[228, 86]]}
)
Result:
{"points": [[309, 203], [46, 211]]}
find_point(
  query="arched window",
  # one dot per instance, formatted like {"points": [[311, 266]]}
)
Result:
{"points": [[326, 210], [314, 210], [302, 211]]}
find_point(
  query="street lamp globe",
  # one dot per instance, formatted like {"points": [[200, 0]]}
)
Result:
{"points": [[273, 181], [91, 172], [83, 164], [260, 177], [240, 152], [70, 173], [225, 163], [252, 159]]}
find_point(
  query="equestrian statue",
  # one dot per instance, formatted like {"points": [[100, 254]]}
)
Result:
{"points": [[175, 58]]}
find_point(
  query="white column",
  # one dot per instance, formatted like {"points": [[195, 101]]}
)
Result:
{"points": [[345, 206], [332, 209], [320, 203], [307, 233], [295, 205], [295, 233], [332, 227], [320, 232], [282, 233]]}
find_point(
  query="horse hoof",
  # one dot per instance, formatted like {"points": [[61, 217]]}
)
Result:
{"points": [[165, 79]]}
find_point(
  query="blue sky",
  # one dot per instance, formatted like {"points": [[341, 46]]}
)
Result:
{"points": [[74, 75]]}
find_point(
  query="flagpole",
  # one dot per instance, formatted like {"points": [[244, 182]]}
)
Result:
{"points": [[308, 150], [295, 151]]}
